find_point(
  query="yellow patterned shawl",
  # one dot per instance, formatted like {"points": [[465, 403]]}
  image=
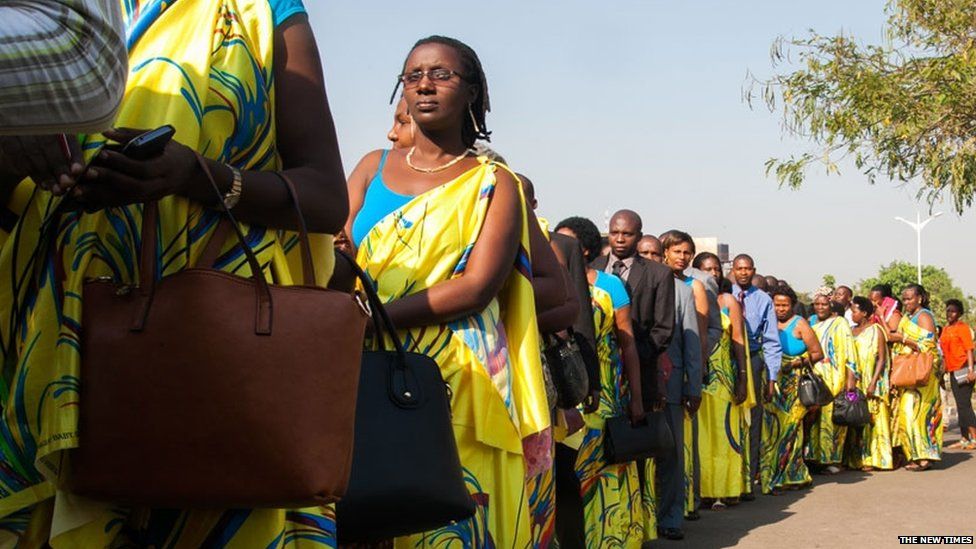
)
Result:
{"points": [[205, 68], [490, 359]]}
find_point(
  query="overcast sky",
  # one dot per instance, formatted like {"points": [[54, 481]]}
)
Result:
{"points": [[638, 104]]}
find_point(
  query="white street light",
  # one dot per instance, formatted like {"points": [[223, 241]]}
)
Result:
{"points": [[918, 225]]}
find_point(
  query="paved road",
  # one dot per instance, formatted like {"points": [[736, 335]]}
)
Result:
{"points": [[852, 509]]}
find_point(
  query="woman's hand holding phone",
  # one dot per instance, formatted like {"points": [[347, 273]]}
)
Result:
{"points": [[148, 165]]}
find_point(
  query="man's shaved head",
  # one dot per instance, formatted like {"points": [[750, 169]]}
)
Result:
{"points": [[630, 216], [649, 247]]}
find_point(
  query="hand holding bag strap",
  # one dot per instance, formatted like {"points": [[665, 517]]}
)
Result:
{"points": [[382, 323], [212, 250], [147, 276], [404, 387]]}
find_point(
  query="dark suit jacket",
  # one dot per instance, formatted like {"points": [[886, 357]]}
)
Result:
{"points": [[651, 288]]}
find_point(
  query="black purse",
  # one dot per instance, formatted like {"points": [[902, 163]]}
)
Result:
{"points": [[568, 370], [851, 409], [623, 442], [813, 390], [406, 474]]}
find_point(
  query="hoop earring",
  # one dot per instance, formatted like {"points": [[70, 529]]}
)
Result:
{"points": [[474, 120]]}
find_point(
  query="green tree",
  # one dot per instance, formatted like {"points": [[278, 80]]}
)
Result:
{"points": [[830, 281], [935, 279], [903, 110]]}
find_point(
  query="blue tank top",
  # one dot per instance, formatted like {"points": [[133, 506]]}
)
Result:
{"points": [[283, 9], [378, 203], [791, 344]]}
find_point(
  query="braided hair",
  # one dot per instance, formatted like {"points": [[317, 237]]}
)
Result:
{"points": [[472, 73]]}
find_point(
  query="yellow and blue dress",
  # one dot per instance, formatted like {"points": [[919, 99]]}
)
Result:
{"points": [[871, 445], [721, 428], [613, 512], [489, 359], [207, 69], [782, 462], [826, 445], [918, 410]]}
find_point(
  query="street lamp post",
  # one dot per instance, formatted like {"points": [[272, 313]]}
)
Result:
{"points": [[918, 225]]}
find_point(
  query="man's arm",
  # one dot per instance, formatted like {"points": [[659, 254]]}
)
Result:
{"points": [[662, 318], [772, 351], [63, 66]]}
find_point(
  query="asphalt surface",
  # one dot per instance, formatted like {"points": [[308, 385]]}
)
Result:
{"points": [[851, 509]]}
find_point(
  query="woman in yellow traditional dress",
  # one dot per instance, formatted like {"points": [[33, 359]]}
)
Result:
{"points": [[241, 83], [613, 514], [918, 410], [710, 263], [782, 453], [837, 369], [720, 418], [444, 235], [870, 448]]}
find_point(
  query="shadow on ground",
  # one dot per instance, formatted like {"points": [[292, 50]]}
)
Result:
{"points": [[726, 528]]}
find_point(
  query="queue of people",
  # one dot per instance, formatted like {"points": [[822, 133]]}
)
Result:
{"points": [[447, 236]]}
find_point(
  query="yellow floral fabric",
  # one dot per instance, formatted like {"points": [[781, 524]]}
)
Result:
{"points": [[205, 68], [490, 359]]}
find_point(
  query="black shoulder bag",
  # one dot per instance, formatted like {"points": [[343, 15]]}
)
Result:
{"points": [[813, 390], [568, 370], [406, 475]]}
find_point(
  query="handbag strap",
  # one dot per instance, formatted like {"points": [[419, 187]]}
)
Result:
{"points": [[382, 325], [147, 262], [212, 250]]}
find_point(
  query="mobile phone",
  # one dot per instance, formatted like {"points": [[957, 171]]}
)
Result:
{"points": [[149, 144]]}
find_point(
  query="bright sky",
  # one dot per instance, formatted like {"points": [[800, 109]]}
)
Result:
{"points": [[637, 104]]}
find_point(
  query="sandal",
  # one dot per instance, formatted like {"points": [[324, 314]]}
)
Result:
{"points": [[867, 469], [719, 506], [923, 465]]}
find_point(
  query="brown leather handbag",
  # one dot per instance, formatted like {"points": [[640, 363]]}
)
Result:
{"points": [[206, 389], [911, 370]]}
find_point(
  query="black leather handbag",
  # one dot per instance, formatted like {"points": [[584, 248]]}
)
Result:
{"points": [[623, 442], [851, 409], [406, 475], [568, 370], [813, 390]]}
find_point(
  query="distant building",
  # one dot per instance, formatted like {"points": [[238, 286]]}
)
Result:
{"points": [[711, 244]]}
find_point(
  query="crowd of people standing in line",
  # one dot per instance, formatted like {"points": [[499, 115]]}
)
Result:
{"points": [[470, 276]]}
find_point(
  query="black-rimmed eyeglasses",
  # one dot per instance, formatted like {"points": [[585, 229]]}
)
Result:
{"points": [[412, 79]]}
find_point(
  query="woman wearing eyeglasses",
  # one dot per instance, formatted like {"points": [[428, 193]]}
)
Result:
{"points": [[442, 233]]}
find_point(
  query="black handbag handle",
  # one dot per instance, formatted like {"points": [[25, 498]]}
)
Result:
{"points": [[382, 325], [404, 388]]}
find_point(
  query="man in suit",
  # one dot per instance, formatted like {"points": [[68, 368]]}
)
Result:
{"points": [[651, 289], [683, 394], [652, 295]]}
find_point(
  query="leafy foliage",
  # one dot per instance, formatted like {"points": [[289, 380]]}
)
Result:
{"points": [[829, 281], [903, 110], [936, 280]]}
